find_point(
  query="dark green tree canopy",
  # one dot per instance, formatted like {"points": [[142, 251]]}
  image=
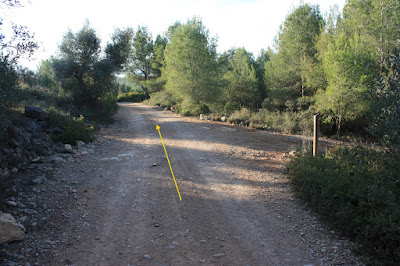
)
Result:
{"points": [[83, 71], [287, 72], [241, 87], [191, 63]]}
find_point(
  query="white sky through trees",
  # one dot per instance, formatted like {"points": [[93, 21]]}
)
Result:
{"points": [[252, 24]]}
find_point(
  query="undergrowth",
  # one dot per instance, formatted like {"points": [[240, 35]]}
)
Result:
{"points": [[133, 96], [300, 122], [72, 128], [357, 191]]}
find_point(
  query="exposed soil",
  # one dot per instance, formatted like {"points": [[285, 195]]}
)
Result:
{"points": [[116, 203]]}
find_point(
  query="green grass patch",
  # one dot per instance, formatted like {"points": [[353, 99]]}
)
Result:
{"points": [[357, 191]]}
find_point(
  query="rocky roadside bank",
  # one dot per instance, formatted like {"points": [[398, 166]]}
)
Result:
{"points": [[29, 160]]}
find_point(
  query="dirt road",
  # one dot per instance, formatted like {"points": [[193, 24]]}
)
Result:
{"points": [[121, 206]]}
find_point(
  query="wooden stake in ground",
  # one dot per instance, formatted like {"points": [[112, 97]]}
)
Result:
{"points": [[315, 142]]}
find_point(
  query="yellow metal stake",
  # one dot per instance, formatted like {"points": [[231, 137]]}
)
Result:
{"points": [[169, 163]]}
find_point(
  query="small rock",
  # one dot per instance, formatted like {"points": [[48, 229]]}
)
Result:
{"points": [[202, 260], [39, 180], [203, 117], [5, 172], [68, 148], [10, 230], [14, 170], [29, 211], [218, 255], [23, 219], [224, 119], [80, 144], [36, 160], [56, 160], [35, 113], [12, 203], [171, 247], [147, 257], [154, 164]]}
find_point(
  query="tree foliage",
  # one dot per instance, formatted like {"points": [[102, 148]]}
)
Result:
{"points": [[83, 70], [350, 72], [21, 43], [386, 106], [241, 84], [287, 70], [140, 61], [190, 63]]}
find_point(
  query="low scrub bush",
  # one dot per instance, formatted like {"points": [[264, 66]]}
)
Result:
{"points": [[357, 191], [133, 96], [73, 128], [161, 98], [188, 108], [288, 122], [240, 117]]}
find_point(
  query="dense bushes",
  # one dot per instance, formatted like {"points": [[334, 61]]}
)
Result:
{"points": [[161, 98], [133, 96], [72, 128], [357, 191]]}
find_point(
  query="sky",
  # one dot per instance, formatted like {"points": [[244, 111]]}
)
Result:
{"points": [[252, 24]]}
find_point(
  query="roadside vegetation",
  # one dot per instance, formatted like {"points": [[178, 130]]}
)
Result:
{"points": [[344, 66]]}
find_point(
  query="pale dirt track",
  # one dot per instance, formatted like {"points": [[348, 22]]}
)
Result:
{"points": [[237, 207]]}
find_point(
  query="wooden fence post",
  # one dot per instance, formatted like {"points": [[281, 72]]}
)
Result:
{"points": [[315, 142]]}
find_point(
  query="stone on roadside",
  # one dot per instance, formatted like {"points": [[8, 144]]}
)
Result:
{"points": [[5, 172], [203, 117], [224, 119], [147, 257], [36, 159], [12, 203], [10, 230], [68, 148], [35, 113], [39, 180], [80, 144]]}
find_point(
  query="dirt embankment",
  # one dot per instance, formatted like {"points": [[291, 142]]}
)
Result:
{"points": [[116, 202]]}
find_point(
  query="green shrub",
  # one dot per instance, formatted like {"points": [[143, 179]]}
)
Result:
{"points": [[73, 129], [133, 96], [188, 108], [356, 191], [161, 98], [385, 124], [240, 117], [231, 107], [257, 120]]}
